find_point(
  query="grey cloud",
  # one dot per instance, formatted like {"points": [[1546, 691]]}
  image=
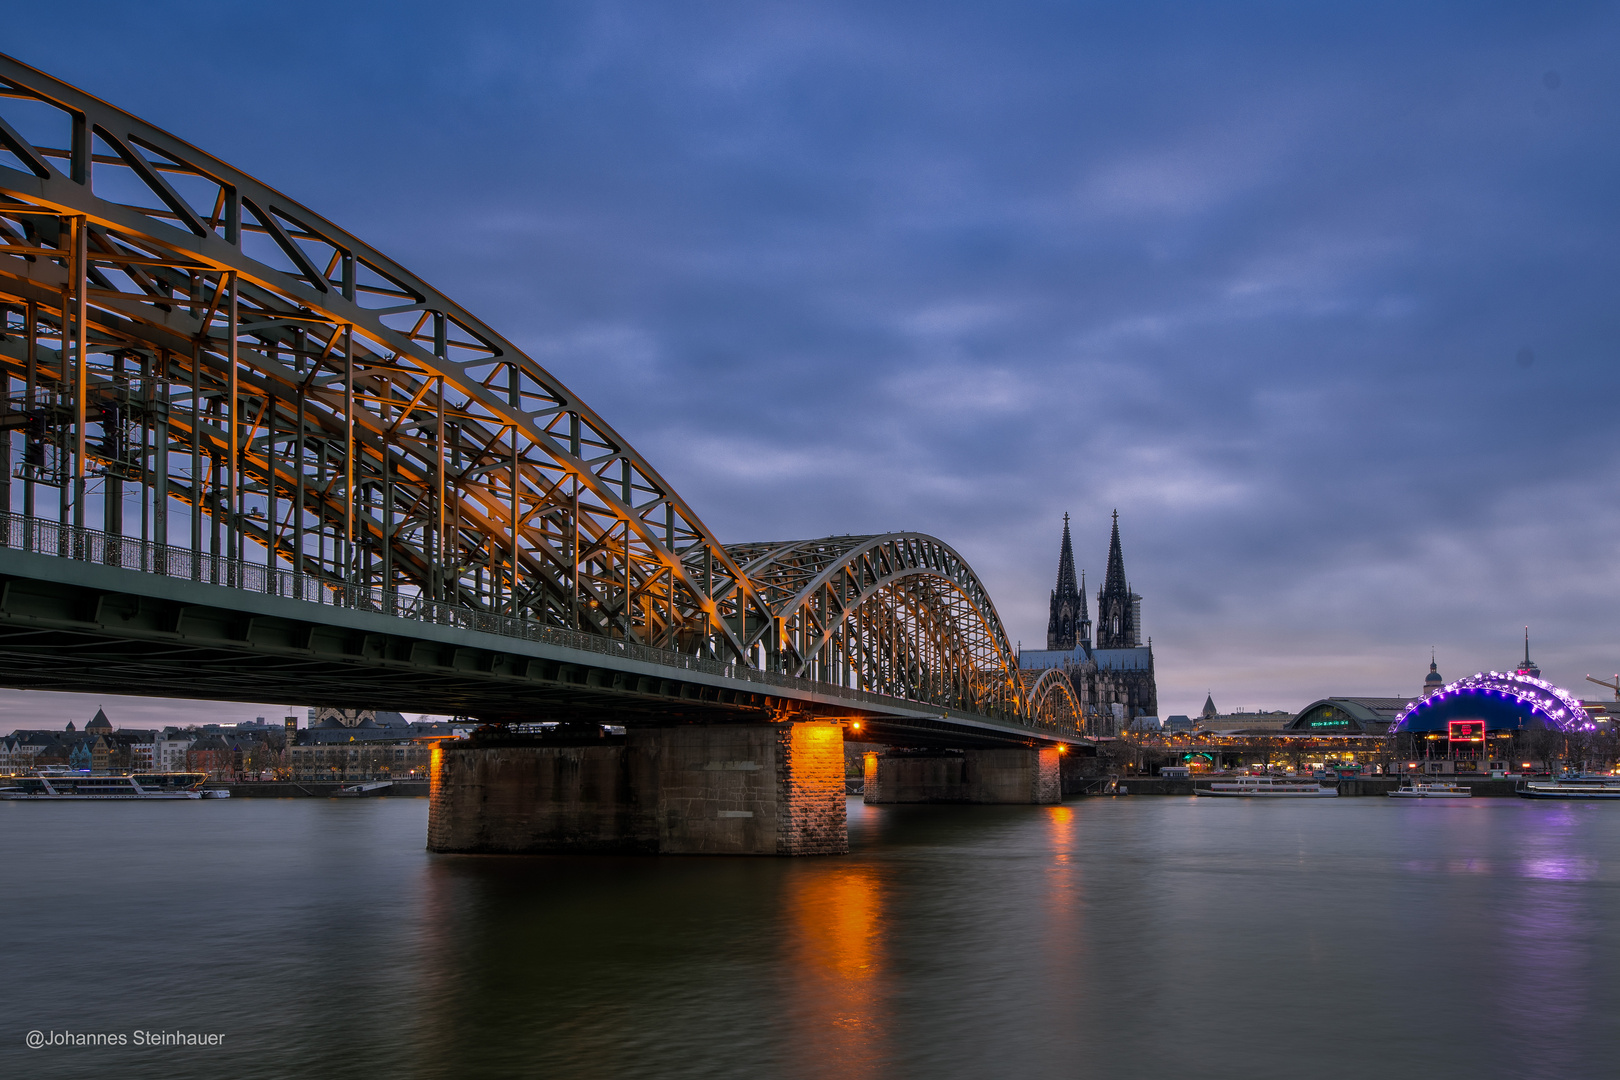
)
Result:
{"points": [[1257, 275]]}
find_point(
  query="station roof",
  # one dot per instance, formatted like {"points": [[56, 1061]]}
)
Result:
{"points": [[1348, 716]]}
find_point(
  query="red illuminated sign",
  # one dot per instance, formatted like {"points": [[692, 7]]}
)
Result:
{"points": [[1467, 731]]}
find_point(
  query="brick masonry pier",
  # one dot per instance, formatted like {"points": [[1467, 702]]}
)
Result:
{"points": [[743, 789], [1016, 775]]}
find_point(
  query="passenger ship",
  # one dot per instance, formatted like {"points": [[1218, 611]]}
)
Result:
{"points": [[1418, 789], [1574, 787], [1265, 787], [49, 787]]}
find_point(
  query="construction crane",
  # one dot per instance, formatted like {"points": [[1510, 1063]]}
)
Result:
{"points": [[1615, 686]]}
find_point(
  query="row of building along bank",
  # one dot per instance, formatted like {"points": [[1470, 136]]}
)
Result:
{"points": [[1492, 721], [337, 744]]}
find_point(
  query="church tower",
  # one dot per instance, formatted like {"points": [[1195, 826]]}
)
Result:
{"points": [[1119, 611], [1433, 683], [1069, 622]]}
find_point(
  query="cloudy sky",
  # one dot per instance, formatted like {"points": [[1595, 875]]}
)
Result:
{"points": [[1320, 297]]}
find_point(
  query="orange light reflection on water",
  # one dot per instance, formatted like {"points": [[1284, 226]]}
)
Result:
{"points": [[1063, 937], [838, 1000]]}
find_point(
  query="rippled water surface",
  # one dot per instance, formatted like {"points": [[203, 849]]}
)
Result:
{"points": [[1111, 938]]}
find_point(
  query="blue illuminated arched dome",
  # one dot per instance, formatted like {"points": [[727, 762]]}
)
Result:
{"points": [[1506, 701]]}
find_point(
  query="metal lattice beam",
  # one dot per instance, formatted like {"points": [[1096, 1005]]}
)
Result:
{"points": [[900, 613], [185, 331], [1051, 700]]}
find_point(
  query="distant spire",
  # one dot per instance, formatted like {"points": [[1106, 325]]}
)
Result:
{"points": [[1528, 667], [1062, 625], [1432, 682], [1116, 606], [1065, 580], [1114, 579]]}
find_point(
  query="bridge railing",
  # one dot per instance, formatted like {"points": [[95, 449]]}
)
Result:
{"points": [[20, 533]]}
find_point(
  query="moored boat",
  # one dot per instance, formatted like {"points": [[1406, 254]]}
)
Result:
{"points": [[82, 787], [1266, 787], [360, 791], [1420, 789], [1578, 787]]}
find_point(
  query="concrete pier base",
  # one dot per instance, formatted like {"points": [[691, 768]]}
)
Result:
{"points": [[1016, 775], [755, 789]]}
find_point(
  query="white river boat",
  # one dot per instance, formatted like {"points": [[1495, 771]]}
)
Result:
{"points": [[1266, 787], [82, 787], [1420, 789], [1579, 787]]}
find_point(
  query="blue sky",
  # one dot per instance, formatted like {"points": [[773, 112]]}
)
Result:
{"points": [[1320, 297]]}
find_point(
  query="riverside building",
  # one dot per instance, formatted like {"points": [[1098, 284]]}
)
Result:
{"points": [[1494, 721]]}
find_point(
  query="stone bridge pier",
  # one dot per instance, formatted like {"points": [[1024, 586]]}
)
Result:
{"points": [[1007, 775], [720, 789]]}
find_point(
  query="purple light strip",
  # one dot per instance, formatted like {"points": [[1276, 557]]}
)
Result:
{"points": [[1555, 704]]}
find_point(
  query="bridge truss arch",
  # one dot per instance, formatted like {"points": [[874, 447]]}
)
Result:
{"points": [[198, 349], [900, 614], [1051, 700], [185, 347]]}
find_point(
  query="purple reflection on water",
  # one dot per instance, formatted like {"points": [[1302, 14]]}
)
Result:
{"points": [[1546, 939], [1560, 868]]}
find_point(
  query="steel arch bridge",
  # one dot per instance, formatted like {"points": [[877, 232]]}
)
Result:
{"points": [[1051, 699], [901, 613], [212, 382]]}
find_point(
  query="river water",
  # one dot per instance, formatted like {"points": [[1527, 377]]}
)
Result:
{"points": [[1111, 937]]}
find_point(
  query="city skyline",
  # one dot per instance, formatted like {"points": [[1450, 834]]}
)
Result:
{"points": [[47, 710], [1321, 302]]}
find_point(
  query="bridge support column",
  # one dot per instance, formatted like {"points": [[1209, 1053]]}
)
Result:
{"points": [[1014, 775], [754, 789]]}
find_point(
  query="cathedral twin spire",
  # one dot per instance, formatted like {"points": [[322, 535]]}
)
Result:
{"points": [[1114, 580], [1118, 609], [1069, 622], [1065, 581]]}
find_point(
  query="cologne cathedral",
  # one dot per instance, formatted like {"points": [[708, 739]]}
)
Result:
{"points": [[1113, 679]]}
